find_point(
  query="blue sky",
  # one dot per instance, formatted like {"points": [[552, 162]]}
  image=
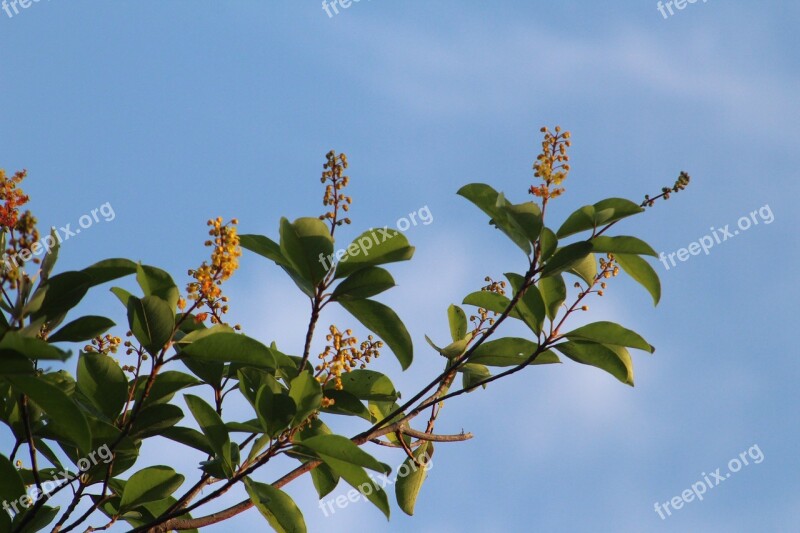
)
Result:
{"points": [[179, 111]]}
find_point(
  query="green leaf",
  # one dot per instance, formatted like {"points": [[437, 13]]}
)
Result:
{"points": [[458, 322], [343, 449], [369, 385], [622, 245], [363, 283], [385, 323], [82, 329], [109, 270], [553, 291], [324, 479], [548, 244], [103, 383], [213, 428], [610, 333], [276, 506], [275, 410], [530, 307], [11, 485], [603, 212], [14, 343], [567, 257], [347, 460], [152, 322], [455, 349], [266, 247], [510, 351], [303, 243], [641, 271], [188, 437], [62, 411], [156, 282], [149, 485], [224, 347], [491, 301], [407, 487], [613, 359], [153, 419], [373, 247], [346, 404], [528, 217], [472, 374], [51, 256], [580, 220], [165, 386], [306, 392], [586, 269], [62, 292], [493, 204]]}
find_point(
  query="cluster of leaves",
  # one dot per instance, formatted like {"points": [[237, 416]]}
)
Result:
{"points": [[60, 419]]}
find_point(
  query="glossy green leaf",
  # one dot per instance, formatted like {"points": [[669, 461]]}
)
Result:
{"points": [[11, 485], [62, 292], [346, 404], [510, 351], [613, 359], [472, 374], [82, 329], [152, 322], [224, 347], [14, 343], [275, 410], [604, 212], [567, 257], [306, 392], [156, 282], [103, 383], [276, 506], [363, 283], [622, 245], [385, 323], [548, 244], [367, 384], [493, 204], [491, 301], [188, 437], [530, 308], [64, 414], [165, 386], [109, 270], [586, 269], [610, 333], [458, 322], [528, 217], [153, 419], [408, 486], [347, 460], [641, 271], [553, 291], [266, 247], [374, 247], [150, 485], [213, 428], [303, 243]]}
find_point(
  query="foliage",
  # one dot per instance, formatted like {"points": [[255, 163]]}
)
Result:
{"points": [[173, 344]]}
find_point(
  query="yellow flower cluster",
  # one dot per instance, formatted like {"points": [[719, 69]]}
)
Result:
{"points": [[333, 171], [205, 289], [552, 164], [497, 287], [21, 227], [106, 344], [343, 354]]}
